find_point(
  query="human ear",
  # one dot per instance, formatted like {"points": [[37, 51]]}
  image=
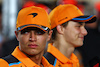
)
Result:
{"points": [[16, 34], [49, 35], [60, 29]]}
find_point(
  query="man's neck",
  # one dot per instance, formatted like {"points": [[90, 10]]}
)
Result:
{"points": [[65, 48], [37, 59]]}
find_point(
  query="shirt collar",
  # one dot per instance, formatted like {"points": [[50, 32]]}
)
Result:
{"points": [[27, 61], [55, 52]]}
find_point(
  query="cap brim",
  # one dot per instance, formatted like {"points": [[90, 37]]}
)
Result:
{"points": [[87, 19], [33, 25]]}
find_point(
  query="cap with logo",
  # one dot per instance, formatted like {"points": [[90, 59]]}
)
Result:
{"points": [[66, 12], [33, 17]]}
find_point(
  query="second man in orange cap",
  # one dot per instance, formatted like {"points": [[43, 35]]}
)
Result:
{"points": [[68, 25]]}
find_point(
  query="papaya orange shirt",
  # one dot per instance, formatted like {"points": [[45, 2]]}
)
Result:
{"points": [[61, 60], [22, 60]]}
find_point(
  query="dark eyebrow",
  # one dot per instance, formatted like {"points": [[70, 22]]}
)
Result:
{"points": [[81, 23]]}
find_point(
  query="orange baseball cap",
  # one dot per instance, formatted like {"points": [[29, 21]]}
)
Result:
{"points": [[33, 17], [66, 12]]}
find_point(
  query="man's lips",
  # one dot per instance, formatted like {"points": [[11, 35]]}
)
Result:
{"points": [[81, 38], [33, 45]]}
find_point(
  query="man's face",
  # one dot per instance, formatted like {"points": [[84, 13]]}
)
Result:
{"points": [[32, 41], [74, 33]]}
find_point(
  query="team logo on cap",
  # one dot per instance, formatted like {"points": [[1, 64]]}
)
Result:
{"points": [[34, 14], [62, 19]]}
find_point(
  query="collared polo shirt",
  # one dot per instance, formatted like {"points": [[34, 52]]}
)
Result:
{"points": [[19, 59], [60, 60]]}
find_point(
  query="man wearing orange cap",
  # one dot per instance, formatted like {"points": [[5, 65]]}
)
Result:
{"points": [[68, 25], [32, 32]]}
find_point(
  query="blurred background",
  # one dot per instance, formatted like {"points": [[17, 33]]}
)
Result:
{"points": [[8, 15]]}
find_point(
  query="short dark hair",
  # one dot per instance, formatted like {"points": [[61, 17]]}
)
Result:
{"points": [[53, 37]]}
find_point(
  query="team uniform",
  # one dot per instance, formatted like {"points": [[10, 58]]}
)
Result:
{"points": [[19, 59], [57, 59]]}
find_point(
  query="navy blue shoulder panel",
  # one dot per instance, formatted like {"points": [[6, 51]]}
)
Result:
{"points": [[10, 59], [49, 57]]}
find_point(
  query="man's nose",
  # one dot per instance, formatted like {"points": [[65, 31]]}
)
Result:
{"points": [[32, 36], [84, 31]]}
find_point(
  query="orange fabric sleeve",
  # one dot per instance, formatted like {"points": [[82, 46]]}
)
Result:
{"points": [[3, 63]]}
